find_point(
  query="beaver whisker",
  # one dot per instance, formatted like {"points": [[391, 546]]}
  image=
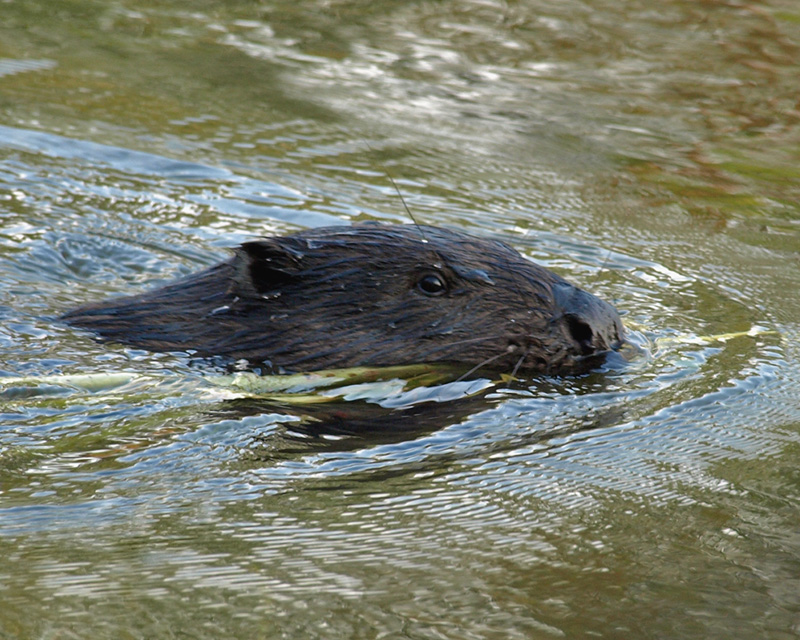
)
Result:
{"points": [[397, 191], [487, 338], [429, 354], [597, 355], [518, 365], [478, 366]]}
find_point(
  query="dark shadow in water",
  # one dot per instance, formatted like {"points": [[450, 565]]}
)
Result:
{"points": [[341, 422], [342, 426]]}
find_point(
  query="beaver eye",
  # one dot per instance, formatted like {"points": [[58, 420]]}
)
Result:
{"points": [[432, 285]]}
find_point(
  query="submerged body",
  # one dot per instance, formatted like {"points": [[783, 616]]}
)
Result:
{"points": [[374, 295]]}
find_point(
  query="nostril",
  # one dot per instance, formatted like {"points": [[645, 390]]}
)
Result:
{"points": [[581, 332]]}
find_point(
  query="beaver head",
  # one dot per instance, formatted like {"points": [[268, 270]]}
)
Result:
{"points": [[370, 295]]}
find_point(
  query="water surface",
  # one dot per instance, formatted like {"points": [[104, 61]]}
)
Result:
{"points": [[648, 153]]}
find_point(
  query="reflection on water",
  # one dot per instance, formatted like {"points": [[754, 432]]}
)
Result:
{"points": [[647, 154]]}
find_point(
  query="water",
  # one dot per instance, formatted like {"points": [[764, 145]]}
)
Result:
{"points": [[648, 153]]}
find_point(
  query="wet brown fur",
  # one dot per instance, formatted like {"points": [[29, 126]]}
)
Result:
{"points": [[366, 295]]}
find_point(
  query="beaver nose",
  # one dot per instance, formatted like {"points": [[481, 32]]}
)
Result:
{"points": [[592, 323]]}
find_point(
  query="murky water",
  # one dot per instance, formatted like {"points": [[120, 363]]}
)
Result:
{"points": [[649, 152]]}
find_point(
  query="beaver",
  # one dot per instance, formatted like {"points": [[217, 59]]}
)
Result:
{"points": [[369, 295]]}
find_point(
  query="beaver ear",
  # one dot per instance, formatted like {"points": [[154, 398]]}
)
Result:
{"points": [[265, 265]]}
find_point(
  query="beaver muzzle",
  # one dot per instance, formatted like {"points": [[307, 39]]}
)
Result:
{"points": [[592, 324]]}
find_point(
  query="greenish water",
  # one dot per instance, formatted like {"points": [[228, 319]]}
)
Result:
{"points": [[649, 152]]}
